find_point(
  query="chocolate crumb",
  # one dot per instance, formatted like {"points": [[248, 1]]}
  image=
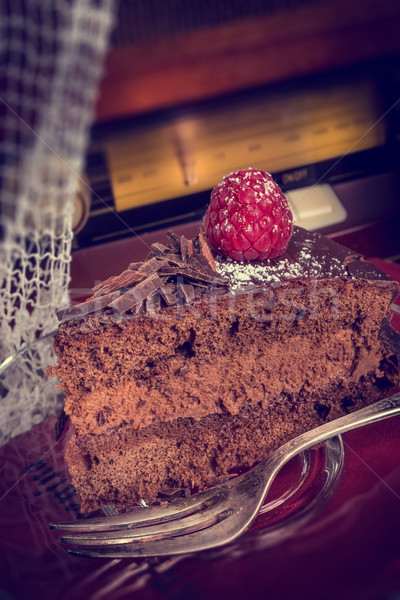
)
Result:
{"points": [[101, 418], [322, 410]]}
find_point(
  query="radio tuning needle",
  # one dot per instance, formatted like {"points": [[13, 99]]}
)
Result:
{"points": [[183, 138], [188, 164]]}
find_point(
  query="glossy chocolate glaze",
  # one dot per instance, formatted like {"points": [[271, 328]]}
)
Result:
{"points": [[308, 255]]}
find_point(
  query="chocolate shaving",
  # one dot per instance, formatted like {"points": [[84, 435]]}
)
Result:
{"points": [[168, 296], [102, 284], [135, 266], [149, 267], [159, 248], [201, 264], [197, 275], [174, 259], [177, 273], [153, 303], [91, 305], [133, 299], [205, 277], [175, 240], [170, 270], [184, 244], [186, 292], [126, 279], [206, 252]]}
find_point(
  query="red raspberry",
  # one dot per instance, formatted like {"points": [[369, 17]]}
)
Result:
{"points": [[248, 217]]}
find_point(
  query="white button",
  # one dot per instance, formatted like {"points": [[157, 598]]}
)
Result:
{"points": [[316, 206]]}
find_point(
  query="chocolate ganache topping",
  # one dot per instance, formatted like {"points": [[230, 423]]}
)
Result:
{"points": [[170, 275], [184, 269], [309, 255]]}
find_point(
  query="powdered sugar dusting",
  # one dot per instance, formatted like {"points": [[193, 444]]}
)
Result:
{"points": [[285, 268]]}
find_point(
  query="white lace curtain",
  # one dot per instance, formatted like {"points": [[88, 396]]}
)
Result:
{"points": [[51, 57]]}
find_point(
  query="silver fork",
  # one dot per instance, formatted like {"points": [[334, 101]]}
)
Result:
{"points": [[210, 518]]}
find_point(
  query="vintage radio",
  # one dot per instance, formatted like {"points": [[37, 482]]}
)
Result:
{"points": [[328, 135], [158, 171]]}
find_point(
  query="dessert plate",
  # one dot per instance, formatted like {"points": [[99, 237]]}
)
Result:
{"points": [[320, 518], [35, 490], [301, 488]]}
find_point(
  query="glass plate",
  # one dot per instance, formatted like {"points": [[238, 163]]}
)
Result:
{"points": [[35, 490], [300, 491], [321, 535]]}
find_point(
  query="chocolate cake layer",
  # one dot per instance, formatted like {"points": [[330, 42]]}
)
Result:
{"points": [[153, 370], [305, 333]]}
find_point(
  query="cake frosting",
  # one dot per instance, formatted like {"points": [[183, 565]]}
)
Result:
{"points": [[308, 256]]}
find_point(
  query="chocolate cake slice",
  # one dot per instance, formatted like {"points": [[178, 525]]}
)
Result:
{"points": [[190, 364]]}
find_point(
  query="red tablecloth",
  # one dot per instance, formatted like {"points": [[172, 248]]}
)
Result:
{"points": [[349, 550]]}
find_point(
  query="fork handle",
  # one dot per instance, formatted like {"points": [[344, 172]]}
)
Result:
{"points": [[365, 416]]}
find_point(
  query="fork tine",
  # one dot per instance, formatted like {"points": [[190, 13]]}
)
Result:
{"points": [[175, 509], [184, 526], [185, 544]]}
